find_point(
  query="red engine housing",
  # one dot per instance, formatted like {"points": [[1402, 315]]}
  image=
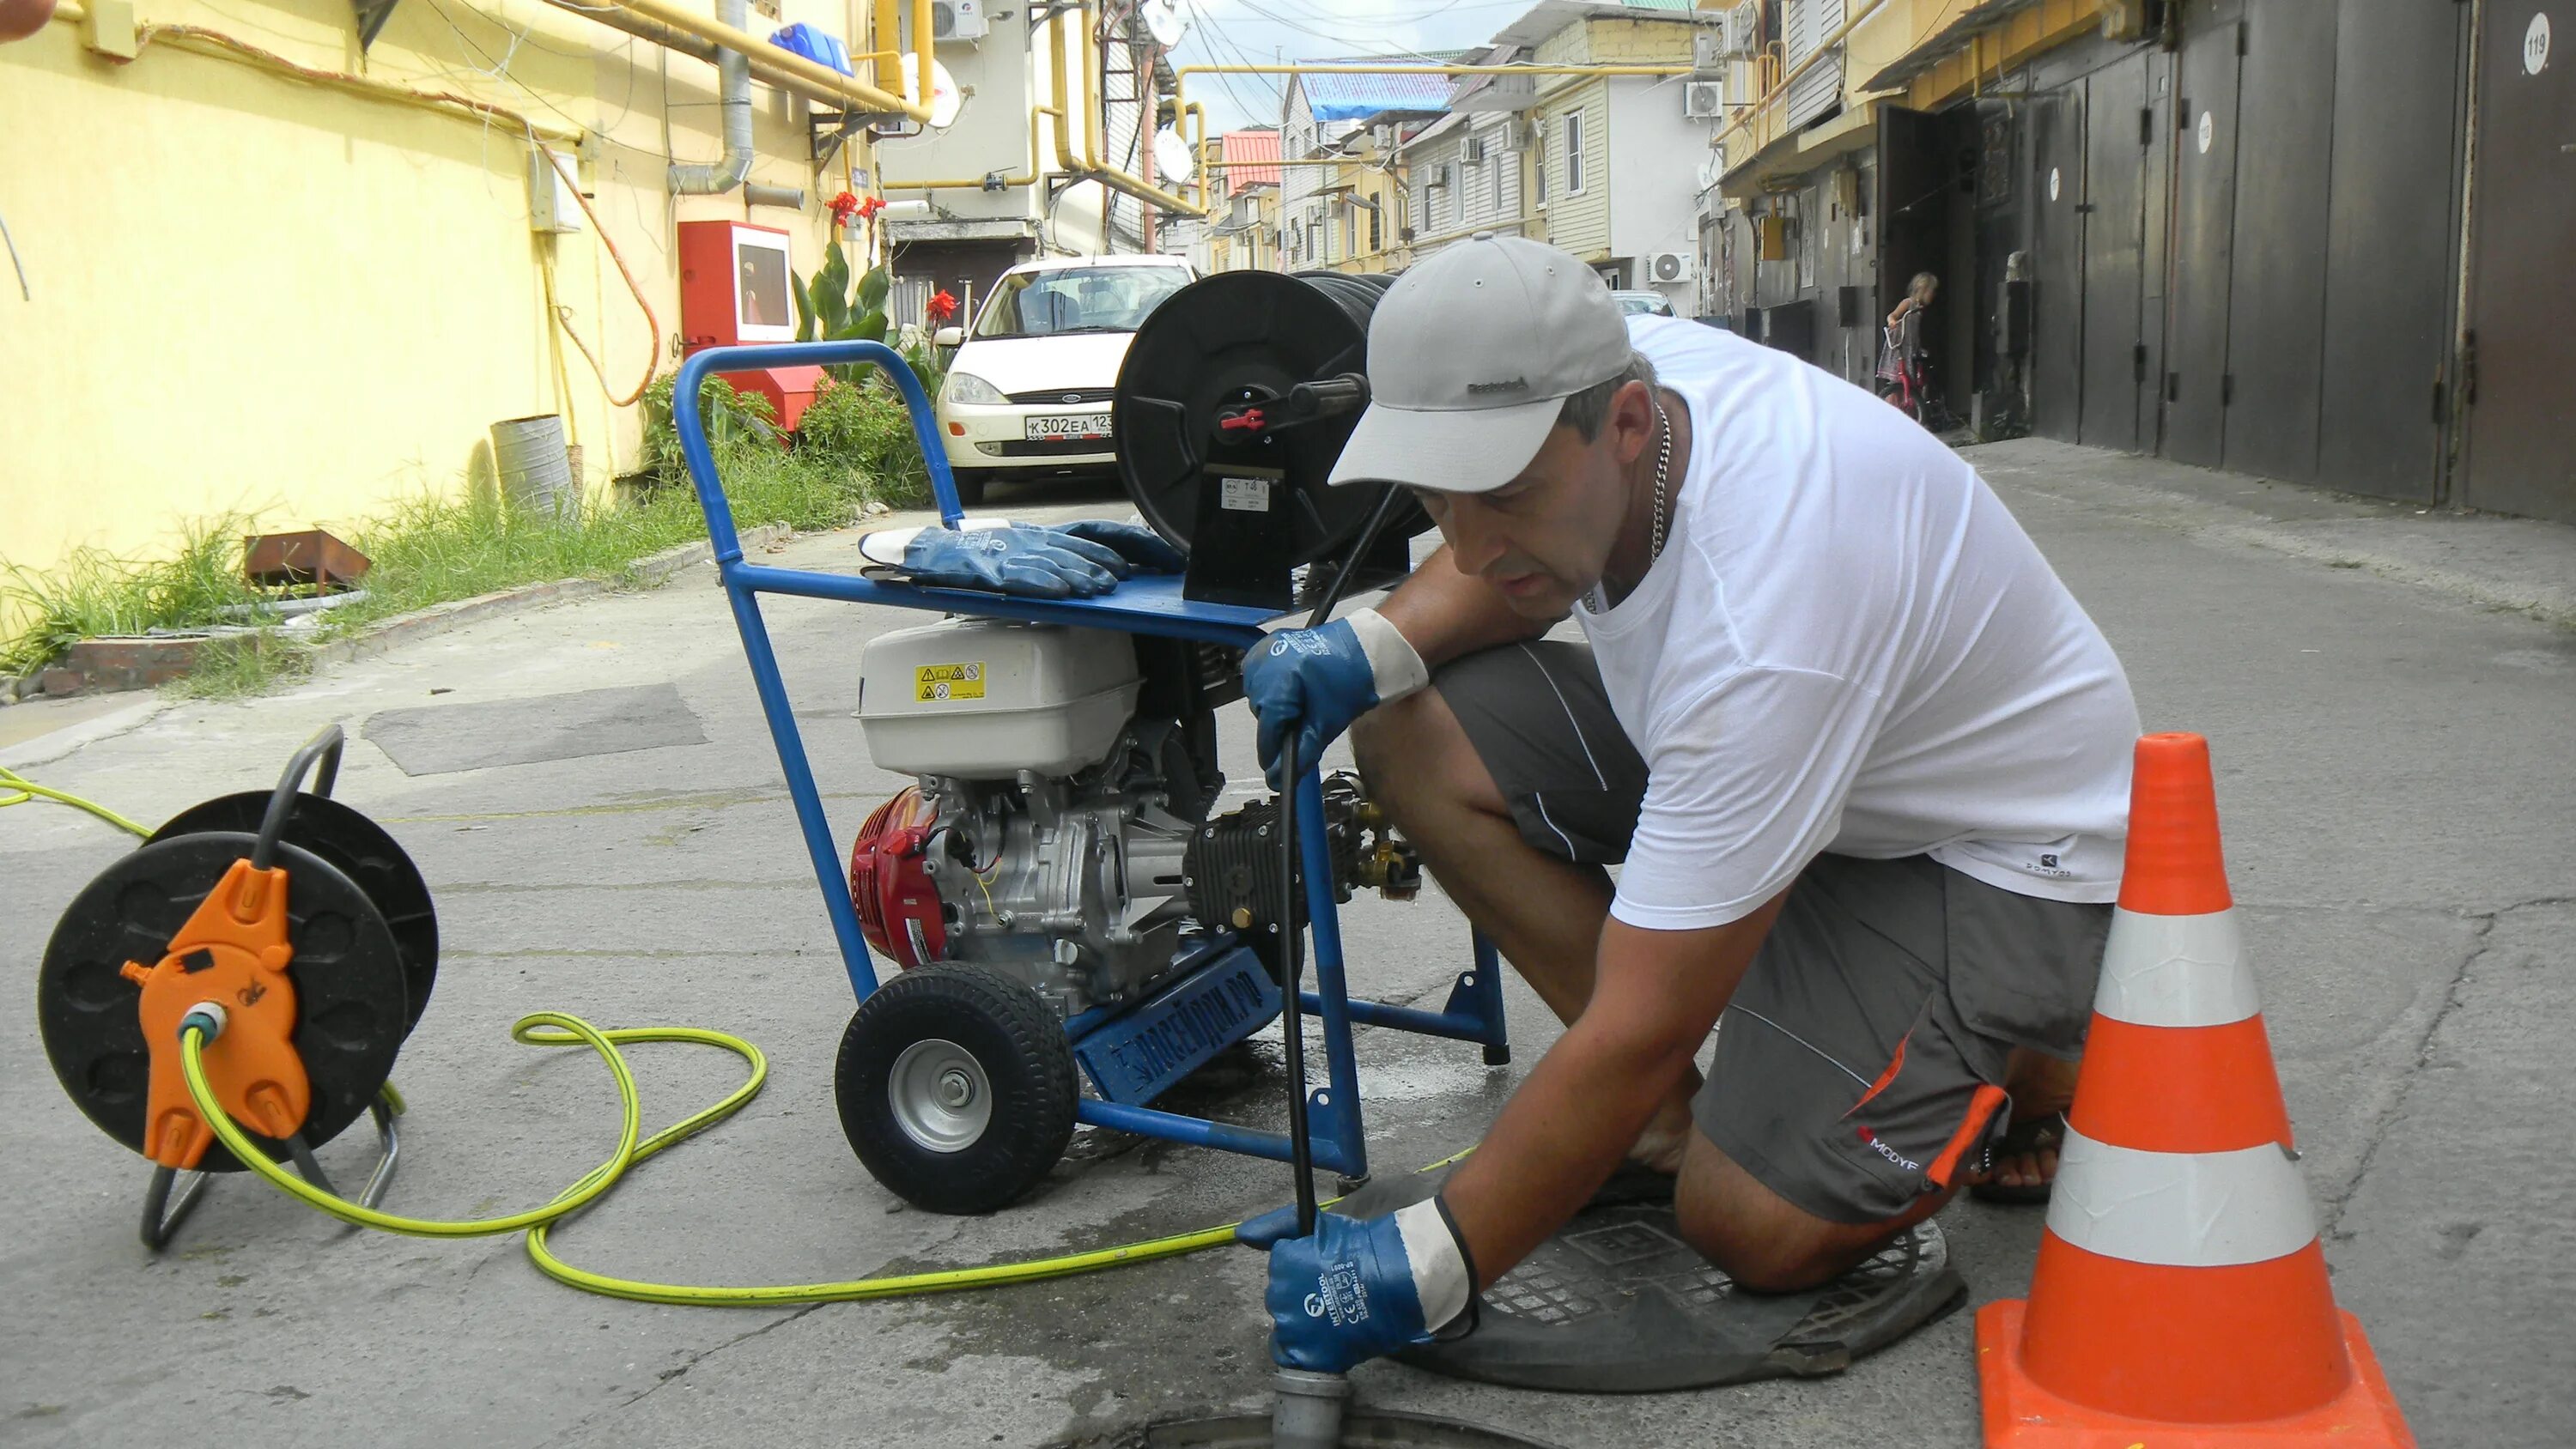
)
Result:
{"points": [[898, 905]]}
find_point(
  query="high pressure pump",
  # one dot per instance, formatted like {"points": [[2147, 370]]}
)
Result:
{"points": [[1068, 835]]}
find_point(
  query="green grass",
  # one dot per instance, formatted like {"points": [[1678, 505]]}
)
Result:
{"points": [[854, 447], [94, 592]]}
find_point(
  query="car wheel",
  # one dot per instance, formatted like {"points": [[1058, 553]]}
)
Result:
{"points": [[970, 488]]}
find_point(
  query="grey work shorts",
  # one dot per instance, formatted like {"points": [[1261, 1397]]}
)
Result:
{"points": [[1861, 1062]]}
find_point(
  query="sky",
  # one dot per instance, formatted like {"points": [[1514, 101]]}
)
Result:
{"points": [[1265, 31]]}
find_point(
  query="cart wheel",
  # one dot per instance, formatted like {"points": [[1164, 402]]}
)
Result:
{"points": [[956, 1088]]}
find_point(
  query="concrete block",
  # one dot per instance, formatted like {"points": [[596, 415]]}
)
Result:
{"points": [[131, 663]]}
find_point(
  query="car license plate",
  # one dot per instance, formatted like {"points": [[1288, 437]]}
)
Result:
{"points": [[1068, 425]]}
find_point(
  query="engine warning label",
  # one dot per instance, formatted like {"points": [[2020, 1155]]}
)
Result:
{"points": [[932, 683]]}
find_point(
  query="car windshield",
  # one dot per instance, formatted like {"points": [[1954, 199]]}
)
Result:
{"points": [[1633, 304], [1077, 299]]}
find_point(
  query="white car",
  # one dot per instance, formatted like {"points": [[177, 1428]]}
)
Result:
{"points": [[1028, 389]]}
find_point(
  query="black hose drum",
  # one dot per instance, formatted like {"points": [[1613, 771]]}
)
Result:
{"points": [[1235, 398]]}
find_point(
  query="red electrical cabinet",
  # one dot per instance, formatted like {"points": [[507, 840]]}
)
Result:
{"points": [[736, 286]]}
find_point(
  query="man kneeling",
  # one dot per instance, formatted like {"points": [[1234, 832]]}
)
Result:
{"points": [[1864, 757]]}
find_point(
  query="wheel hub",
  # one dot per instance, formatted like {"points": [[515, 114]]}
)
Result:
{"points": [[940, 1096]]}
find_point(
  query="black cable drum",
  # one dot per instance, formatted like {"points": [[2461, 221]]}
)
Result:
{"points": [[1248, 337]]}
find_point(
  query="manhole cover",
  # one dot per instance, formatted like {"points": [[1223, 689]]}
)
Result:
{"points": [[1363, 1429]]}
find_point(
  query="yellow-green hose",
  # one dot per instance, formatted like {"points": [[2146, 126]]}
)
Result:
{"points": [[551, 1028], [21, 790], [548, 1028]]}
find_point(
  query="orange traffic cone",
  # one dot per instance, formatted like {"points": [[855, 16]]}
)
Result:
{"points": [[2180, 1300]]}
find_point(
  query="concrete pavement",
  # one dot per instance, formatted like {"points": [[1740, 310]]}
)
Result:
{"points": [[2393, 740]]}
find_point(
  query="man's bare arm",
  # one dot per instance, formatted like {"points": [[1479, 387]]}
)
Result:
{"points": [[1445, 614], [1655, 997]]}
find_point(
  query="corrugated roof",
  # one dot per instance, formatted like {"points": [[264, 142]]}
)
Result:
{"points": [[1240, 146], [1357, 97]]}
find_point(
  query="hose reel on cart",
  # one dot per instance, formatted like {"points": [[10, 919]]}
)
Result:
{"points": [[290, 924], [1064, 899], [1235, 398]]}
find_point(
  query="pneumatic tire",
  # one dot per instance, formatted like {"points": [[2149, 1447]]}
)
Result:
{"points": [[956, 1088]]}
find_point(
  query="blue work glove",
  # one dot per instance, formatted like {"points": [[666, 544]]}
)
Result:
{"points": [[1137, 546], [1033, 562], [1316, 681], [1359, 1288]]}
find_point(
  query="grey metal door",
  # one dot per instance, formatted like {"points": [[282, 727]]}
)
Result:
{"points": [[2118, 130], [2204, 147], [2276, 295], [2521, 454], [2058, 295], [2389, 240], [2156, 273]]}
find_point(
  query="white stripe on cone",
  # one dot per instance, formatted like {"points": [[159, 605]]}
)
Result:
{"points": [[2180, 1209], [2176, 971]]}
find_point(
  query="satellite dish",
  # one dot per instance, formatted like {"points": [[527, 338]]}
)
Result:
{"points": [[1708, 170], [944, 100], [1174, 159], [1165, 22]]}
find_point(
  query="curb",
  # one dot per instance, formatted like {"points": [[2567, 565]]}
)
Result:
{"points": [[649, 572]]}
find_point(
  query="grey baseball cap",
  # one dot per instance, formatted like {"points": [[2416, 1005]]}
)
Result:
{"points": [[1471, 356]]}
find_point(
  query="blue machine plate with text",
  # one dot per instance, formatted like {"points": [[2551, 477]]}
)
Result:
{"points": [[1134, 1057]]}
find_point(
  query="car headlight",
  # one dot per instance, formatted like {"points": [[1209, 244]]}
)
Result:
{"points": [[966, 387]]}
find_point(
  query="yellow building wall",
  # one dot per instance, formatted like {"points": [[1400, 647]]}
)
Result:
{"points": [[258, 295]]}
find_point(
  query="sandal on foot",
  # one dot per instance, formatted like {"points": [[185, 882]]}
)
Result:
{"points": [[2030, 1136]]}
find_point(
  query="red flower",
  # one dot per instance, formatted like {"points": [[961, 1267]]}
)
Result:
{"points": [[841, 206], [871, 207], [942, 306]]}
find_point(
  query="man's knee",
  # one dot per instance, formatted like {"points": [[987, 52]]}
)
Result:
{"points": [[1760, 1239], [1413, 749]]}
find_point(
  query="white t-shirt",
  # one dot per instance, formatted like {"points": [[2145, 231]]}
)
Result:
{"points": [[1849, 645]]}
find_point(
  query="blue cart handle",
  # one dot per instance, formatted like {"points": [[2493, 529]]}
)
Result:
{"points": [[702, 461]]}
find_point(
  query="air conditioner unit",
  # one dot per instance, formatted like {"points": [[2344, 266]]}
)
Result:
{"points": [[958, 20], [1670, 268], [1441, 175], [1708, 48], [1475, 152], [1381, 136], [1520, 133], [1703, 100], [1743, 28]]}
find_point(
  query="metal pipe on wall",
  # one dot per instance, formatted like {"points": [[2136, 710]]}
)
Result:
{"points": [[733, 94], [783, 68], [1090, 167]]}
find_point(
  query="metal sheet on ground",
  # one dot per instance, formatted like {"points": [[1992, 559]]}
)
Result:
{"points": [[444, 739], [2389, 288], [2522, 410], [2204, 151], [2115, 240], [2277, 294]]}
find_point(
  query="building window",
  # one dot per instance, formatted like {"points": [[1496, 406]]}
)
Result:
{"points": [[1538, 147], [1573, 152], [1377, 229], [1502, 159]]}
